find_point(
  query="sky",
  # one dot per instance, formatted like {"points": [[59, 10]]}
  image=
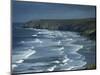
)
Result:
{"points": [[26, 11]]}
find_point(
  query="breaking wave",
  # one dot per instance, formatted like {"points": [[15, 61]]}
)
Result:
{"points": [[57, 51]]}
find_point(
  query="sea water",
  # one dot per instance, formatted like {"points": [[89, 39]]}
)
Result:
{"points": [[42, 50]]}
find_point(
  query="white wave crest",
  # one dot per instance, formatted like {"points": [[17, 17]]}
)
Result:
{"points": [[51, 68], [65, 60], [59, 42], [34, 35], [29, 53], [78, 47], [38, 41], [40, 64], [14, 65], [20, 61], [59, 49], [45, 32], [55, 61]]}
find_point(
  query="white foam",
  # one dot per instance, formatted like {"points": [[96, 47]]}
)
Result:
{"points": [[29, 54], [69, 39], [74, 48], [65, 60], [55, 61], [13, 66], [34, 35], [20, 61], [45, 32], [52, 68], [78, 47], [24, 55], [40, 64], [49, 36], [58, 49], [31, 41], [59, 42], [39, 32], [38, 41], [61, 48], [37, 29], [81, 46]]}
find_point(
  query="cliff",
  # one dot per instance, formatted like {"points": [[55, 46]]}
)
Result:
{"points": [[86, 27]]}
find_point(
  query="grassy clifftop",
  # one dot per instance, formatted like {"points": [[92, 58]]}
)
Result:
{"points": [[86, 27]]}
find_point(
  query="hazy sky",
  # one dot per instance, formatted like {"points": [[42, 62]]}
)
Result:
{"points": [[26, 11]]}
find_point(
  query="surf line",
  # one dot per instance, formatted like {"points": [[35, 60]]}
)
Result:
{"points": [[26, 55]]}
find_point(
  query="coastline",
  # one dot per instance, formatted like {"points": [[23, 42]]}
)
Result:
{"points": [[86, 27]]}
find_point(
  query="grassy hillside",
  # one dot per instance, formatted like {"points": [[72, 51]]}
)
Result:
{"points": [[86, 27]]}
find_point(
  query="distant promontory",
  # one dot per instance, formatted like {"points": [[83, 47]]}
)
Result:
{"points": [[85, 27]]}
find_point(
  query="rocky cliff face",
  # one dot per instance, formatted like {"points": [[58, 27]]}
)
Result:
{"points": [[86, 27]]}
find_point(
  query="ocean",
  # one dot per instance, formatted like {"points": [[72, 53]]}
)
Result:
{"points": [[43, 50]]}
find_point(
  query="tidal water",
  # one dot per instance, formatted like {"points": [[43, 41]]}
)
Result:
{"points": [[42, 50]]}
